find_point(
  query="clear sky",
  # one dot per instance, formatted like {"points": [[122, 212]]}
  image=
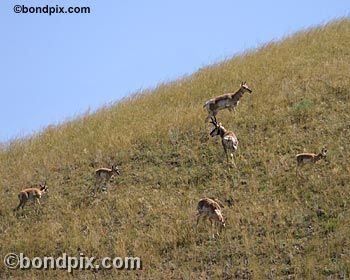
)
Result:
{"points": [[53, 68]]}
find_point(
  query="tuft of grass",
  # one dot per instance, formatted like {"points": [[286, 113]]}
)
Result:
{"points": [[300, 102], [303, 105]]}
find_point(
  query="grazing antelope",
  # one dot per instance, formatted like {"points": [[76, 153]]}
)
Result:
{"points": [[228, 139], [105, 175], [209, 208], [228, 100], [31, 194], [304, 158]]}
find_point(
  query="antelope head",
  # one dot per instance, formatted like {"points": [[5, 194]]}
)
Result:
{"points": [[217, 127], [245, 87], [43, 188], [115, 169]]}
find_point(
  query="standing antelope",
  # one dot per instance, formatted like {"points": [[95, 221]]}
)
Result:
{"points": [[304, 158], [31, 194], [228, 100], [104, 175], [228, 139], [209, 208]]}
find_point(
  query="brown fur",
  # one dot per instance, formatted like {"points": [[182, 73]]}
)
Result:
{"points": [[209, 208], [228, 100], [228, 139], [105, 175], [311, 158], [31, 194]]}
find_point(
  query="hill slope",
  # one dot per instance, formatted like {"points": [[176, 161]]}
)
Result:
{"points": [[300, 102]]}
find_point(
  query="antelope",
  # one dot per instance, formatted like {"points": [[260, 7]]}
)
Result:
{"points": [[209, 208], [228, 139], [305, 158], [31, 194], [228, 100], [105, 175]]}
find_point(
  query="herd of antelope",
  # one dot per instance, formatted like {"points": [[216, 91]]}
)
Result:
{"points": [[207, 207]]}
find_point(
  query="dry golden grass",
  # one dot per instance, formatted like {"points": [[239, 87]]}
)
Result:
{"points": [[300, 102]]}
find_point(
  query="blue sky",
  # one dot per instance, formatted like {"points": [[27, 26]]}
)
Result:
{"points": [[56, 67]]}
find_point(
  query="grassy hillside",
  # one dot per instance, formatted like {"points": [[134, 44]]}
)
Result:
{"points": [[300, 102]]}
